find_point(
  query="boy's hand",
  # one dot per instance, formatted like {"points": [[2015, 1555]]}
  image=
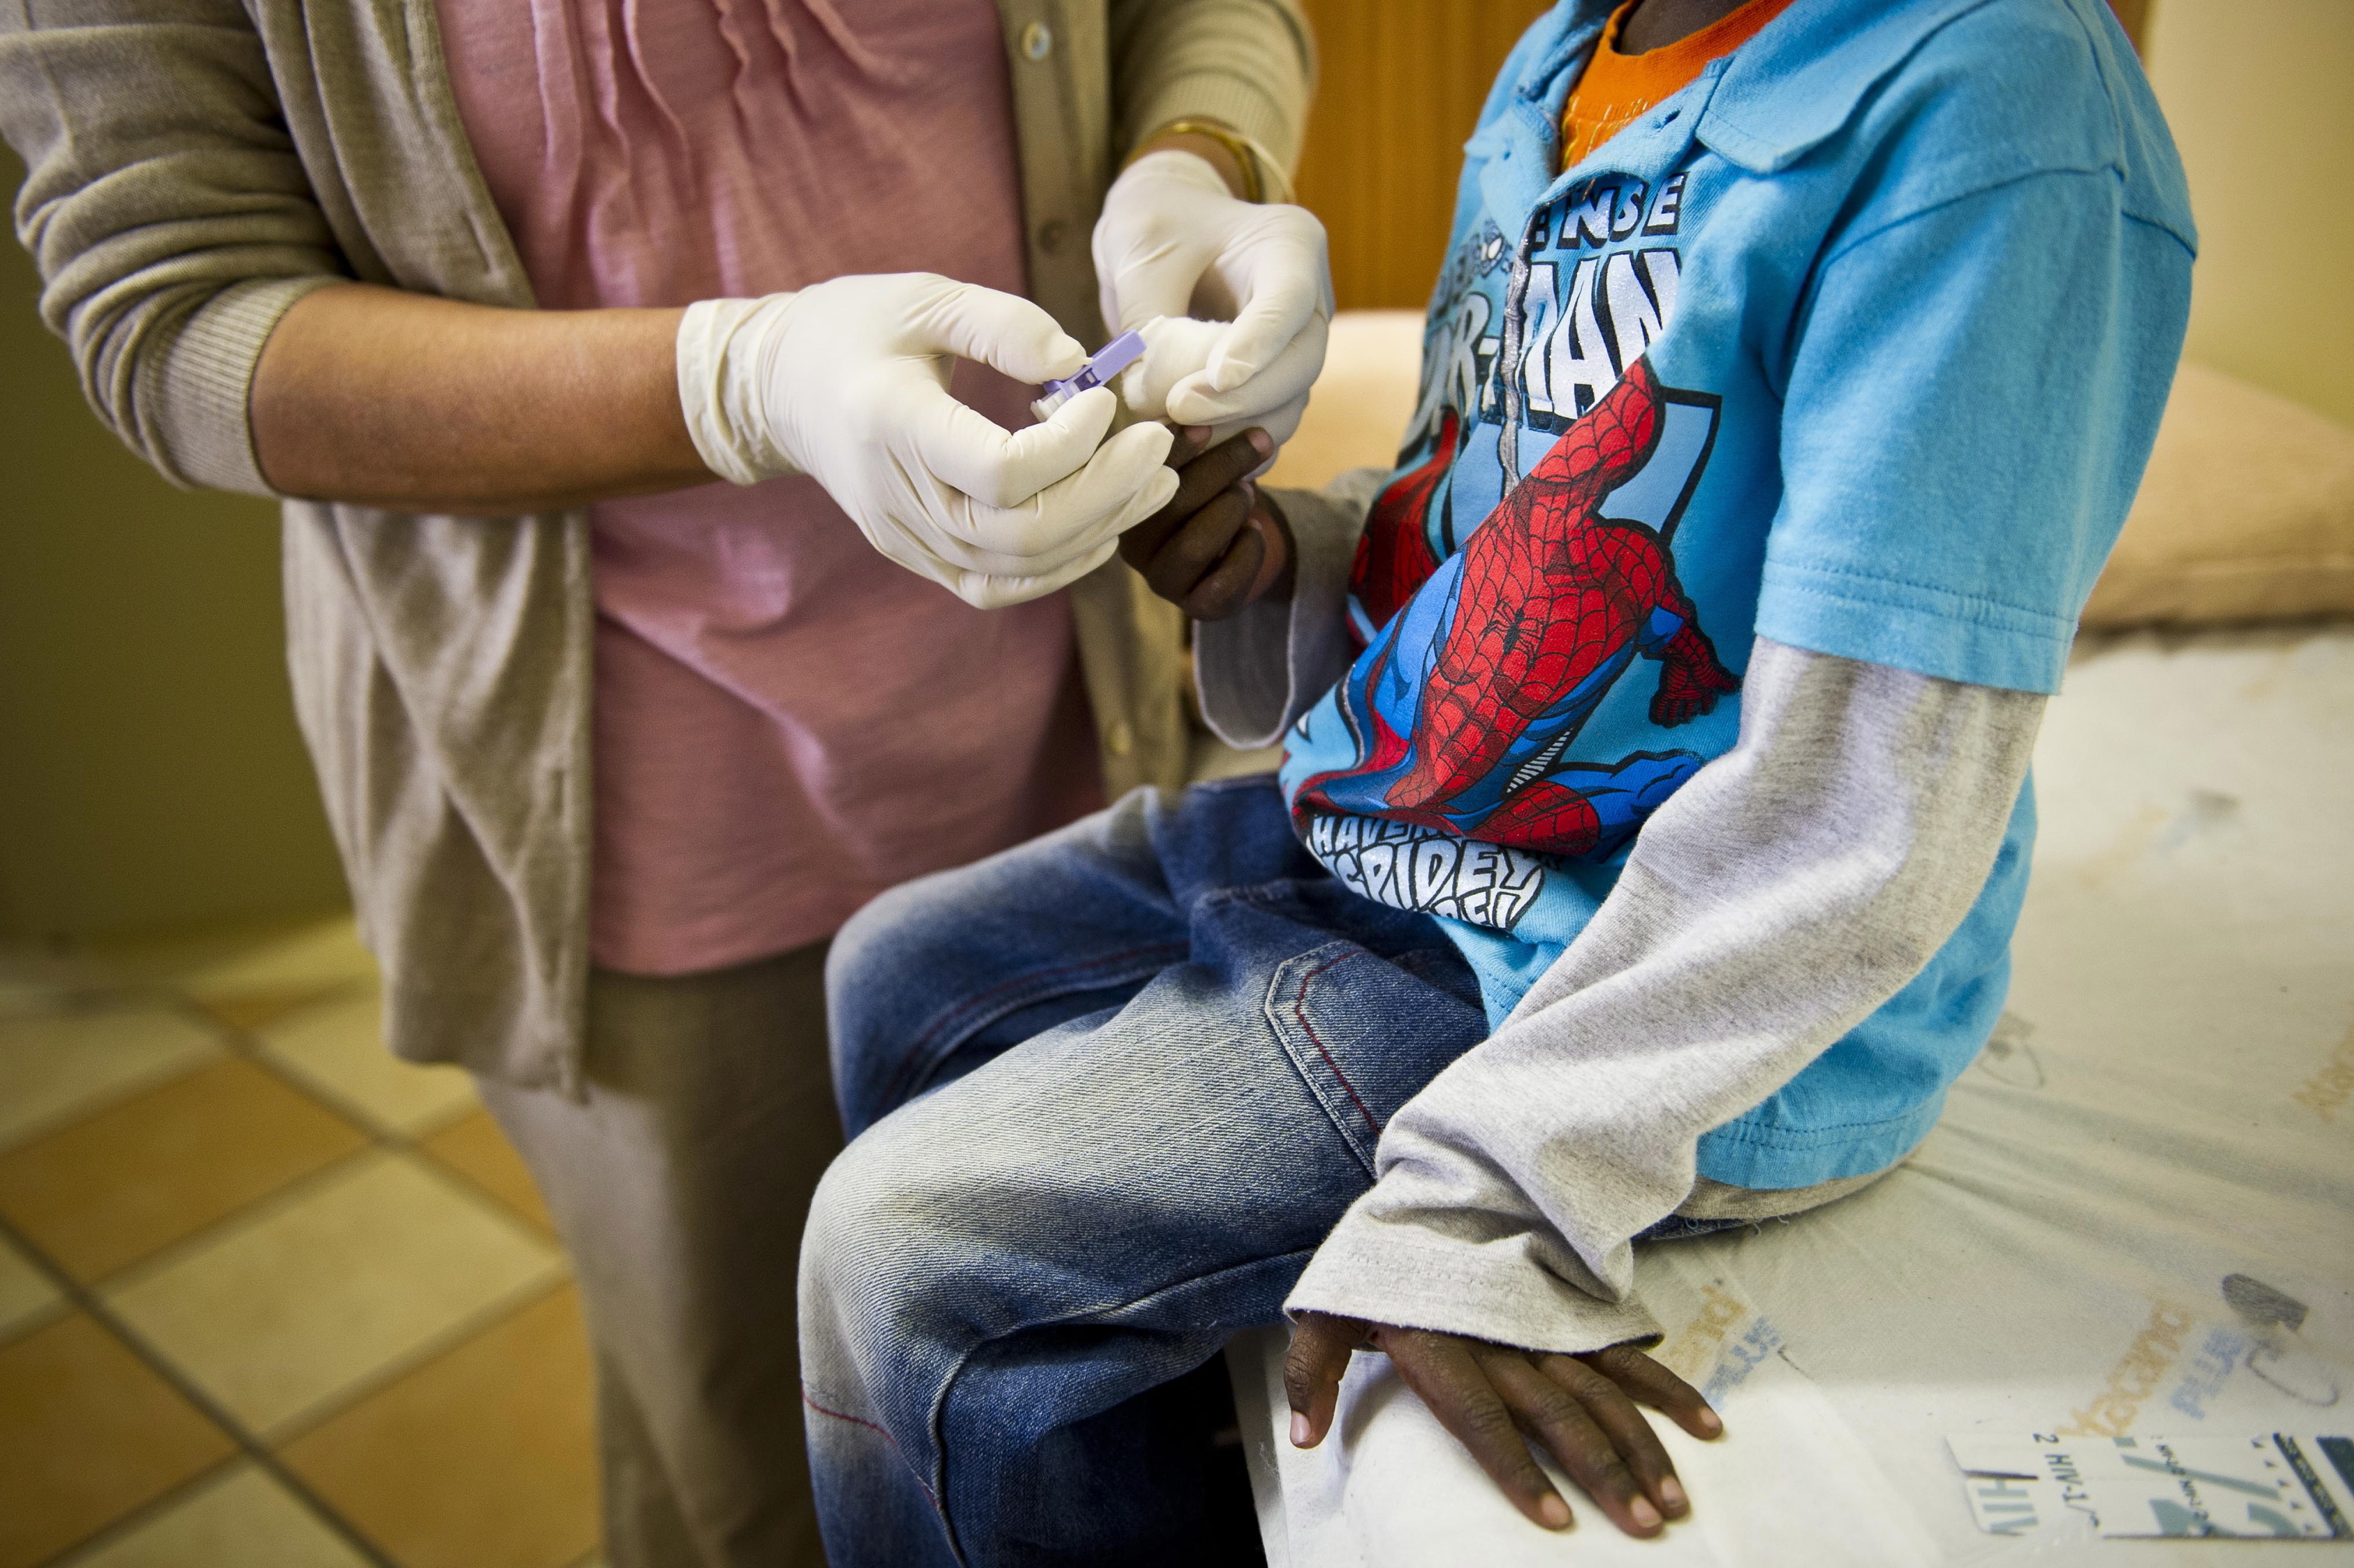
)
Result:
{"points": [[1219, 544], [1496, 1400]]}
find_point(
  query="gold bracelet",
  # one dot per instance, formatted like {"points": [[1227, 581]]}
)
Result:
{"points": [[1250, 157]]}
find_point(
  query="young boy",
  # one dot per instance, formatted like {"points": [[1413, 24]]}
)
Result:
{"points": [[1652, 820]]}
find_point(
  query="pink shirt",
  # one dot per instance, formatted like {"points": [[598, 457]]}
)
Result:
{"points": [[786, 723]]}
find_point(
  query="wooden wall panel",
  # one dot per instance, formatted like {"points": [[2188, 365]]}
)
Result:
{"points": [[1402, 84]]}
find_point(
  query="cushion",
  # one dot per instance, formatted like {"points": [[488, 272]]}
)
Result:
{"points": [[1358, 412], [2247, 512]]}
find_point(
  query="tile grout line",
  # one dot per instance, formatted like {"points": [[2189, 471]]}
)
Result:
{"points": [[301, 1424], [296, 1189], [112, 1098], [86, 1301], [154, 1507], [245, 1044], [97, 997], [248, 1045], [474, 1323], [284, 1196], [383, 1138]]}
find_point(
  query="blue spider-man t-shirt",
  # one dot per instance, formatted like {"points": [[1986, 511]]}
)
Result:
{"points": [[1859, 343]]}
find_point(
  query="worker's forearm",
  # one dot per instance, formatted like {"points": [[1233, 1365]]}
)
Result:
{"points": [[387, 399]]}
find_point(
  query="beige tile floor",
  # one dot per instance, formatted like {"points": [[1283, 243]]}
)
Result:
{"points": [[269, 1297]]}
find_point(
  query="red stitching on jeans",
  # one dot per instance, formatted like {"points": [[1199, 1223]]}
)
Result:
{"points": [[1299, 1011], [870, 1427]]}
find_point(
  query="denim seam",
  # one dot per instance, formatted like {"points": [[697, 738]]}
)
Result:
{"points": [[1277, 894], [1318, 1092], [1299, 1011], [979, 1011], [883, 1432]]}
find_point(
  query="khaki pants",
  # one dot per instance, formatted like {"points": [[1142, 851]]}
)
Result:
{"points": [[680, 1187]]}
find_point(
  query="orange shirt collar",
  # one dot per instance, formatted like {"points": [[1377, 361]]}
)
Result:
{"points": [[1616, 89]]}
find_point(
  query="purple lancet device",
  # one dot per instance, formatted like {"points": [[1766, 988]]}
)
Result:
{"points": [[1110, 361]]}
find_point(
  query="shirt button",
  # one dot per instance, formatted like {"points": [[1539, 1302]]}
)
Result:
{"points": [[1037, 42], [1118, 739], [1051, 235]]}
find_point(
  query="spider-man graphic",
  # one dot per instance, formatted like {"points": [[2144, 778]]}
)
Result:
{"points": [[1484, 668]]}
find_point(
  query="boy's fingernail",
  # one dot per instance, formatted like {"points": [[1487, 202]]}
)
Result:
{"points": [[1553, 1513], [1299, 1430], [1711, 1421], [1644, 1516], [1260, 442], [1196, 434], [1672, 1492]]}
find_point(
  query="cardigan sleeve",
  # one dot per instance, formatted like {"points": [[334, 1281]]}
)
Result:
{"points": [[1250, 64], [167, 212]]}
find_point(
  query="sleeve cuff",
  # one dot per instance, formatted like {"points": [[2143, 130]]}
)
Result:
{"points": [[1257, 671], [1876, 620], [196, 407], [1507, 1287], [1251, 109]]}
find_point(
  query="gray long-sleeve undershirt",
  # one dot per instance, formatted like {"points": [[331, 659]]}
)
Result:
{"points": [[1796, 883]]}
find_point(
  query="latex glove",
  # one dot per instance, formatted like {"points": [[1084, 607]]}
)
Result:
{"points": [[847, 381], [1176, 349], [1172, 241]]}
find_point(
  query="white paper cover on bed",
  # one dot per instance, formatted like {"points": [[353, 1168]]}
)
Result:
{"points": [[2164, 1109]]}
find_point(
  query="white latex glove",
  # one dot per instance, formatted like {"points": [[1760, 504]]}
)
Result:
{"points": [[847, 381], [1172, 241], [1176, 349]]}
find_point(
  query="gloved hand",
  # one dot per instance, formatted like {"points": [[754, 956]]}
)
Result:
{"points": [[1173, 242], [847, 381]]}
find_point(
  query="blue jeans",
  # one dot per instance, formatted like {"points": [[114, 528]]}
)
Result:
{"points": [[1108, 1092]]}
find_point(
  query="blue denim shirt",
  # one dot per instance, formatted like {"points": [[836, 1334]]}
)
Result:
{"points": [[1859, 343]]}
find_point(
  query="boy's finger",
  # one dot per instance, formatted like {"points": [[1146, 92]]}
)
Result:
{"points": [[1645, 1382], [1441, 1369], [1629, 1434], [1198, 482], [1585, 1450], [1227, 463], [1142, 542], [1193, 552], [1192, 442], [1227, 588], [1321, 1345]]}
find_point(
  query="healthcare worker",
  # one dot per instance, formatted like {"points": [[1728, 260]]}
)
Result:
{"points": [[611, 746]]}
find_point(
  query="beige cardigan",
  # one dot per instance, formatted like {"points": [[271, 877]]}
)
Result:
{"points": [[196, 166]]}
